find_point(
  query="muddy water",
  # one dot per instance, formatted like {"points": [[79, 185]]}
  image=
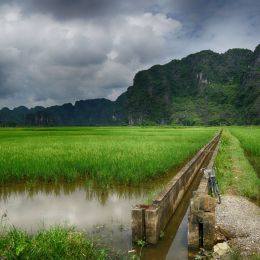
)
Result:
{"points": [[101, 212]]}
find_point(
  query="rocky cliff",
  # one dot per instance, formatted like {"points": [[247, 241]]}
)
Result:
{"points": [[204, 88]]}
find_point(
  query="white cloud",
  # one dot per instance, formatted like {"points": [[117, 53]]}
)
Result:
{"points": [[50, 54], [52, 62], [159, 23]]}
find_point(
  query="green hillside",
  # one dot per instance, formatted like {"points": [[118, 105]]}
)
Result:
{"points": [[205, 88]]}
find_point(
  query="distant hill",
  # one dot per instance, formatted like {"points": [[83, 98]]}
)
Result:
{"points": [[205, 88]]}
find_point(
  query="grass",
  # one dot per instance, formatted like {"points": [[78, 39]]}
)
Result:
{"points": [[236, 254], [55, 243], [128, 155], [235, 173], [249, 138]]}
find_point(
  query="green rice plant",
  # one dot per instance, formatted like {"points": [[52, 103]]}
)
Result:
{"points": [[235, 173], [125, 155], [249, 138]]}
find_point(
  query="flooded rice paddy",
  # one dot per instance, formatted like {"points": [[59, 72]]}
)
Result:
{"points": [[104, 213]]}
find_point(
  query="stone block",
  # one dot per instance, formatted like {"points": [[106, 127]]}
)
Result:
{"points": [[203, 203], [138, 224], [208, 230], [152, 225]]}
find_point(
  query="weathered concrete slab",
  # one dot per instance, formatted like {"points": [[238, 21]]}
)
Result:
{"points": [[138, 227], [201, 222]]}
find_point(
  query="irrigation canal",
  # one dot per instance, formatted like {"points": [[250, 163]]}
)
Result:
{"points": [[101, 212]]}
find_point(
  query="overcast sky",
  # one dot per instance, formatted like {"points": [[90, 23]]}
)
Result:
{"points": [[58, 51]]}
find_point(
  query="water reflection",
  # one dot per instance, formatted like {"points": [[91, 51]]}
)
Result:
{"points": [[99, 211], [103, 211], [58, 189]]}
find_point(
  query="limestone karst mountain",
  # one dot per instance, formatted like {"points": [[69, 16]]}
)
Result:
{"points": [[205, 88]]}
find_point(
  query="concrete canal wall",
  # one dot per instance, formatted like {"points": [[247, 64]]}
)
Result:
{"points": [[201, 232], [149, 220]]}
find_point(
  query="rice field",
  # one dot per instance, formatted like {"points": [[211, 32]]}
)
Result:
{"points": [[237, 162], [125, 155], [249, 138]]}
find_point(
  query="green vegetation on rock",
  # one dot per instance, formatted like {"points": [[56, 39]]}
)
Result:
{"points": [[206, 81]]}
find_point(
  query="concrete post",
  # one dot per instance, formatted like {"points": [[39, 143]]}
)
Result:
{"points": [[138, 223], [201, 222], [152, 225]]}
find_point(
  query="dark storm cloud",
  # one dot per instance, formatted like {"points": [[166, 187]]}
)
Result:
{"points": [[85, 9], [7, 65], [190, 11], [82, 52], [57, 51], [64, 9], [193, 11], [4, 89], [200, 10]]}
